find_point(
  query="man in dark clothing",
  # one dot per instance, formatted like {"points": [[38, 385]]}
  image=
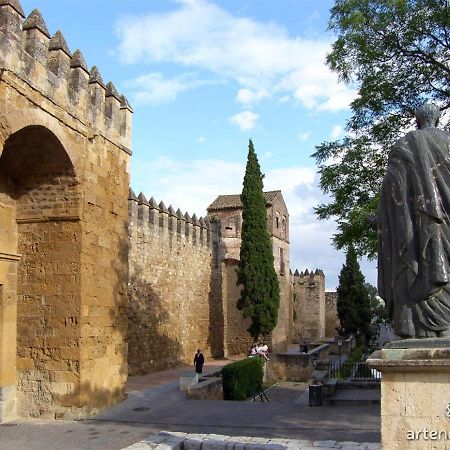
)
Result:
{"points": [[199, 360]]}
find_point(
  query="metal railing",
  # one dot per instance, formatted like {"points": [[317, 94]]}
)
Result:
{"points": [[359, 371]]}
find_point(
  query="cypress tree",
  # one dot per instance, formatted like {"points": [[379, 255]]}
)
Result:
{"points": [[353, 303], [260, 294]]}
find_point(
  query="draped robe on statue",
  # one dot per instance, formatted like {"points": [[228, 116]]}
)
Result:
{"points": [[414, 234]]}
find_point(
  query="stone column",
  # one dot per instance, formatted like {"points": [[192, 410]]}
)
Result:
{"points": [[415, 393], [8, 327]]}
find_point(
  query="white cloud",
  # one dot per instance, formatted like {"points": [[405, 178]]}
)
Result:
{"points": [[248, 98], [304, 136], [336, 132], [201, 139], [245, 120], [193, 185], [154, 88], [260, 56]]}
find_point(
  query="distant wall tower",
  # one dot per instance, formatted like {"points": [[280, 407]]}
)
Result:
{"points": [[309, 305]]}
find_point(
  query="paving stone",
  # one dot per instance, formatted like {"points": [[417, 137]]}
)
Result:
{"points": [[178, 433], [198, 436], [141, 446], [217, 437], [239, 446], [254, 446], [302, 444], [259, 440], [274, 447], [324, 444], [155, 439], [214, 444], [192, 444], [321, 448], [169, 445], [166, 440], [278, 441]]}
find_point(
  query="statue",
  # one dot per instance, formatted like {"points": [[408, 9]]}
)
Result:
{"points": [[413, 222]]}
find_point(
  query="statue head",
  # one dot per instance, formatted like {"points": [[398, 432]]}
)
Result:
{"points": [[427, 116]]}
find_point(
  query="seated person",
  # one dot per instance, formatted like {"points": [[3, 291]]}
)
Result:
{"points": [[252, 351], [262, 351]]}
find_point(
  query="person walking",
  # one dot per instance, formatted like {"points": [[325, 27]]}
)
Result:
{"points": [[199, 360]]}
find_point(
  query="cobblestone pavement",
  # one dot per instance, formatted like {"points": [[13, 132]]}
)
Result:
{"points": [[165, 440]]}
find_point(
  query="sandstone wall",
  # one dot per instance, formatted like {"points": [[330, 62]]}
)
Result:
{"points": [[64, 157], [309, 305], [170, 310], [331, 317]]}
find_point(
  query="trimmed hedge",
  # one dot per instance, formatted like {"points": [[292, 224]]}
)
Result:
{"points": [[242, 379]]}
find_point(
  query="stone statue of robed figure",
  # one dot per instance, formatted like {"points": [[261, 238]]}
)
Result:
{"points": [[414, 231]]}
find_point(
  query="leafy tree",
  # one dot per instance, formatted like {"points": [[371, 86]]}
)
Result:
{"points": [[377, 307], [353, 305], [397, 53], [260, 294]]}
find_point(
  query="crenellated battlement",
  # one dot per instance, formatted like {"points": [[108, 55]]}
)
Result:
{"points": [[64, 85], [307, 276], [145, 213]]}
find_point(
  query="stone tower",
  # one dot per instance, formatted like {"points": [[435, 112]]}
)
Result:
{"points": [[64, 156], [226, 213], [309, 305]]}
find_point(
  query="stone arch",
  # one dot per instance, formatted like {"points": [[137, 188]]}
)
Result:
{"points": [[17, 120], [40, 269]]}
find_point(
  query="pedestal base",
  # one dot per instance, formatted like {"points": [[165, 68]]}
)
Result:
{"points": [[415, 396]]}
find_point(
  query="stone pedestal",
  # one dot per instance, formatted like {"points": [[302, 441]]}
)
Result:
{"points": [[415, 394]]}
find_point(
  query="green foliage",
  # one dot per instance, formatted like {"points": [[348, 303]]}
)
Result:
{"points": [[353, 304], [397, 53], [242, 379], [356, 355], [260, 294], [377, 306]]}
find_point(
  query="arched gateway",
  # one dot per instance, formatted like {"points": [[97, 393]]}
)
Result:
{"points": [[64, 156]]}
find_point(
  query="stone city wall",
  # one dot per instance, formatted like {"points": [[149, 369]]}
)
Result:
{"points": [[170, 293], [332, 322], [64, 154]]}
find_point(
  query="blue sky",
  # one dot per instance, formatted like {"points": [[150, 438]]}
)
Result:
{"points": [[204, 76]]}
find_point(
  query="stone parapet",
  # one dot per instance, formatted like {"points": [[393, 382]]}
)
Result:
{"points": [[145, 214], [31, 57], [415, 394]]}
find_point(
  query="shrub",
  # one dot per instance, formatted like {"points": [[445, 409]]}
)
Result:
{"points": [[242, 379]]}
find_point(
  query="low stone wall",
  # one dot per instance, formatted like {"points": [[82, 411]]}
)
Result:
{"points": [[289, 367], [209, 389], [295, 366]]}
